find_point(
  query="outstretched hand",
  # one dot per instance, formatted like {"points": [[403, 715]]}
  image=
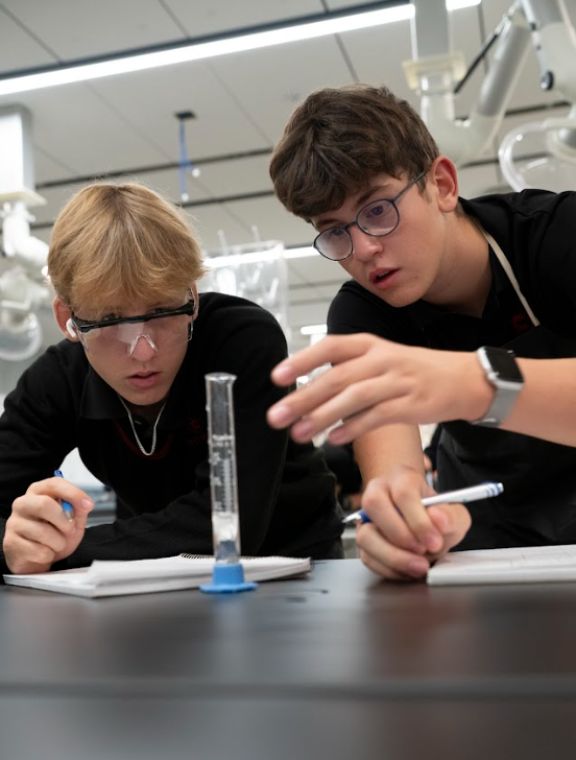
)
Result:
{"points": [[374, 382]]}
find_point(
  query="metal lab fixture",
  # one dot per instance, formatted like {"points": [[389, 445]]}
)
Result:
{"points": [[23, 288], [436, 71]]}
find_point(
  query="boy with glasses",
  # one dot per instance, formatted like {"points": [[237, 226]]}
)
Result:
{"points": [[430, 269], [127, 389]]}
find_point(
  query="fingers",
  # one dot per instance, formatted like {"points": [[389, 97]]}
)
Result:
{"points": [[393, 561], [39, 532], [325, 401], [311, 408], [333, 349], [30, 528], [355, 425], [374, 382], [405, 493], [404, 536], [60, 490], [453, 521], [31, 542], [348, 354], [41, 509], [390, 545], [318, 402], [342, 391], [31, 545], [390, 523], [390, 561], [56, 491]]}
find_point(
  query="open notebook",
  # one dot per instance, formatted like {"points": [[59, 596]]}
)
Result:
{"points": [[531, 564], [144, 576]]}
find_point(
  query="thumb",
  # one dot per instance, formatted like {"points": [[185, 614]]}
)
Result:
{"points": [[81, 509], [453, 521]]}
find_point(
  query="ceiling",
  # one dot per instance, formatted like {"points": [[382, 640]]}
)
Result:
{"points": [[125, 126]]}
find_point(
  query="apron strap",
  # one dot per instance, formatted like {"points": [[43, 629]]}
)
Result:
{"points": [[499, 253]]}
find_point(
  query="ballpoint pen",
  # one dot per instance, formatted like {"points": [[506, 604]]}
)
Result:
{"points": [[66, 506], [473, 493]]}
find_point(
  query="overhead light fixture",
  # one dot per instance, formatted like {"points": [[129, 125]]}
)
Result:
{"points": [[97, 68], [306, 252], [256, 257], [314, 330]]}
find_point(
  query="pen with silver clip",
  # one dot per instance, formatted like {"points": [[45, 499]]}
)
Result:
{"points": [[463, 495]]}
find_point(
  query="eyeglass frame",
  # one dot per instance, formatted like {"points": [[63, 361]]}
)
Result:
{"points": [[85, 325], [354, 222]]}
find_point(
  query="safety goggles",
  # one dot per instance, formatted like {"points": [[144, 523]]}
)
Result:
{"points": [[160, 328]]}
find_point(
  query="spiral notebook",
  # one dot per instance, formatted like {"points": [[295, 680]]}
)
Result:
{"points": [[528, 564], [145, 576]]}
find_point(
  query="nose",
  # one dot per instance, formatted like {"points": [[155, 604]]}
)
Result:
{"points": [[364, 245], [142, 348]]}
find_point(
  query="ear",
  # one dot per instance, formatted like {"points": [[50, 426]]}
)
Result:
{"points": [[443, 176], [196, 298], [63, 315]]}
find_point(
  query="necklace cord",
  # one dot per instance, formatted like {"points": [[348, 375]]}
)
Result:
{"points": [[133, 426]]}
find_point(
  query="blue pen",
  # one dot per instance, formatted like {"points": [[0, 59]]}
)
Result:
{"points": [[67, 508], [463, 495]]}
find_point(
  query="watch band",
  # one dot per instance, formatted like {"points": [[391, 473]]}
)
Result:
{"points": [[503, 373]]}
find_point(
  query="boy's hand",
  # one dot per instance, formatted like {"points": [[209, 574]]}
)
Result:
{"points": [[38, 532], [374, 382], [404, 537]]}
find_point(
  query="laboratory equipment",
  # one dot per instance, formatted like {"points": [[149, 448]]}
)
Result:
{"points": [[228, 574], [256, 271], [23, 288], [437, 73]]}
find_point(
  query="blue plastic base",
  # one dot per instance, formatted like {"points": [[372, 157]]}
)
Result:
{"points": [[227, 579]]}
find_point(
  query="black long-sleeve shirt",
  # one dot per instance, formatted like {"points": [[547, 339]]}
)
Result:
{"points": [[286, 492]]}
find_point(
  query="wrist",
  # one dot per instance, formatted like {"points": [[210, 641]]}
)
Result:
{"points": [[479, 392], [504, 375]]}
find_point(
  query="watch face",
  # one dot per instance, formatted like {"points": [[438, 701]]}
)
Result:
{"points": [[504, 365]]}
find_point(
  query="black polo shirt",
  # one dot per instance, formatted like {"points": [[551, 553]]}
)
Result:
{"points": [[537, 233]]}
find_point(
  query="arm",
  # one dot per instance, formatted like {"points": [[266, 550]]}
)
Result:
{"points": [[375, 382], [34, 438], [403, 536], [546, 405]]}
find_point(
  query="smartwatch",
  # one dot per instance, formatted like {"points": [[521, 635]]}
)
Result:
{"points": [[504, 375]]}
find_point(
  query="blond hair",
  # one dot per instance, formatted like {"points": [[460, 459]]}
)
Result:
{"points": [[337, 140], [116, 243]]}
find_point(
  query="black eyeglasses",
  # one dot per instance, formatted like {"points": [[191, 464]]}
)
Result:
{"points": [[378, 218]]}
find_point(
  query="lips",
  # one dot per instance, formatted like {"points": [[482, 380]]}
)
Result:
{"points": [[381, 276], [143, 379]]}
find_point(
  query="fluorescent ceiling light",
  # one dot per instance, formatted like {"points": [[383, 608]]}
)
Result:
{"points": [[255, 257], [313, 330], [124, 64], [301, 253], [234, 259], [456, 5]]}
